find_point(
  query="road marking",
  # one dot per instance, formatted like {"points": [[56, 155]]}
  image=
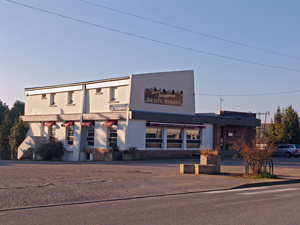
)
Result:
{"points": [[235, 190], [269, 191], [288, 195]]}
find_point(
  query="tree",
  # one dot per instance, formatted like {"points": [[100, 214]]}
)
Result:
{"points": [[5, 131], [17, 133], [285, 128], [3, 108], [17, 110]]}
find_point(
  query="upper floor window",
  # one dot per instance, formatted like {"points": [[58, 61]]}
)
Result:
{"points": [[71, 97], [43, 96], [113, 94], [98, 91], [52, 99]]}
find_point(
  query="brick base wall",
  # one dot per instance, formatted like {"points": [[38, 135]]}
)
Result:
{"points": [[98, 153]]}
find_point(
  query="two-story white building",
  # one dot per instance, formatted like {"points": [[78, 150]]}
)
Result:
{"points": [[154, 112]]}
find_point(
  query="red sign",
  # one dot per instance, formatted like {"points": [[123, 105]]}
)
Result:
{"points": [[163, 97]]}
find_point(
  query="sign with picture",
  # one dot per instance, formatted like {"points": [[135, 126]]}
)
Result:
{"points": [[163, 97]]}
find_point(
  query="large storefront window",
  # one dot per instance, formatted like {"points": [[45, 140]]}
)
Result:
{"points": [[90, 137], [113, 134], [153, 137], [174, 138], [193, 138], [70, 135]]}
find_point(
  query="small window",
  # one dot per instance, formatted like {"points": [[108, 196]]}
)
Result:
{"points": [[229, 134], [70, 135], [52, 99], [113, 94], [43, 96], [71, 97], [98, 91]]}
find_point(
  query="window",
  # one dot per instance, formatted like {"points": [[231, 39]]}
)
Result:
{"points": [[90, 137], [193, 139], [71, 97], [174, 139], [43, 96], [113, 134], [52, 131], [229, 134], [113, 94], [153, 137], [70, 135], [98, 91], [52, 99]]}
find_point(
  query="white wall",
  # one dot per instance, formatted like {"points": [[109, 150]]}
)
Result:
{"points": [[100, 135], [101, 102], [207, 137], [121, 134], [35, 105], [136, 134], [178, 81]]}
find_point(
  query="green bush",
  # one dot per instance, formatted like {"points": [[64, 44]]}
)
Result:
{"points": [[51, 149]]}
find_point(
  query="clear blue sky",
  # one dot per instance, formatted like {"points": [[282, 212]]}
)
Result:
{"points": [[41, 49]]}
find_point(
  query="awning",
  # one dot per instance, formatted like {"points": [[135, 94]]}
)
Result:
{"points": [[109, 123], [48, 124], [67, 124], [179, 125], [87, 123]]}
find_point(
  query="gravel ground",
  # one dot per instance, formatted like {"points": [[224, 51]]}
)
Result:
{"points": [[36, 183]]}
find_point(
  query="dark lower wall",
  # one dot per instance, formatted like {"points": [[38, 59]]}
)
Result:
{"points": [[224, 140], [98, 153]]}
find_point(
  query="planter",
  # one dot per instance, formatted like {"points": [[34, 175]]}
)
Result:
{"points": [[211, 159], [127, 157], [136, 155], [112, 156]]}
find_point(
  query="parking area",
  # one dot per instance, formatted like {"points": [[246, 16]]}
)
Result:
{"points": [[31, 183]]}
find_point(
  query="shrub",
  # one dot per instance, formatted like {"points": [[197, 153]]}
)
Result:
{"points": [[51, 149], [114, 147], [253, 151]]}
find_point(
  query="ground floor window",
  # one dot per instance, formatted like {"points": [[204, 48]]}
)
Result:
{"points": [[113, 134], [52, 131], [70, 135], [174, 137], [90, 137], [193, 138], [153, 137]]}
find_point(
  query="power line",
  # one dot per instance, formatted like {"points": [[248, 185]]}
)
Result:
{"points": [[154, 40], [190, 31], [249, 95]]}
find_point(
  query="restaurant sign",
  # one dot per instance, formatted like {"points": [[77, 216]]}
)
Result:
{"points": [[163, 97]]}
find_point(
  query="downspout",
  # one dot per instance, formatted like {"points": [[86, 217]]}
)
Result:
{"points": [[81, 119]]}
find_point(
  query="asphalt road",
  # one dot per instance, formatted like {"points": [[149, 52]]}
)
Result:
{"points": [[258, 205], [145, 192]]}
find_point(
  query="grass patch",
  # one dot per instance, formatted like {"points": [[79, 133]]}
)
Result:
{"points": [[258, 176]]}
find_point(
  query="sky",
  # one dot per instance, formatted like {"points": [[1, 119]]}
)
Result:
{"points": [[246, 53]]}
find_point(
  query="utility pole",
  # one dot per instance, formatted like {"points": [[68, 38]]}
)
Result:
{"points": [[221, 100]]}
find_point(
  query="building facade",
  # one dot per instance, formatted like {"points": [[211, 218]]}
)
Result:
{"points": [[153, 112]]}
